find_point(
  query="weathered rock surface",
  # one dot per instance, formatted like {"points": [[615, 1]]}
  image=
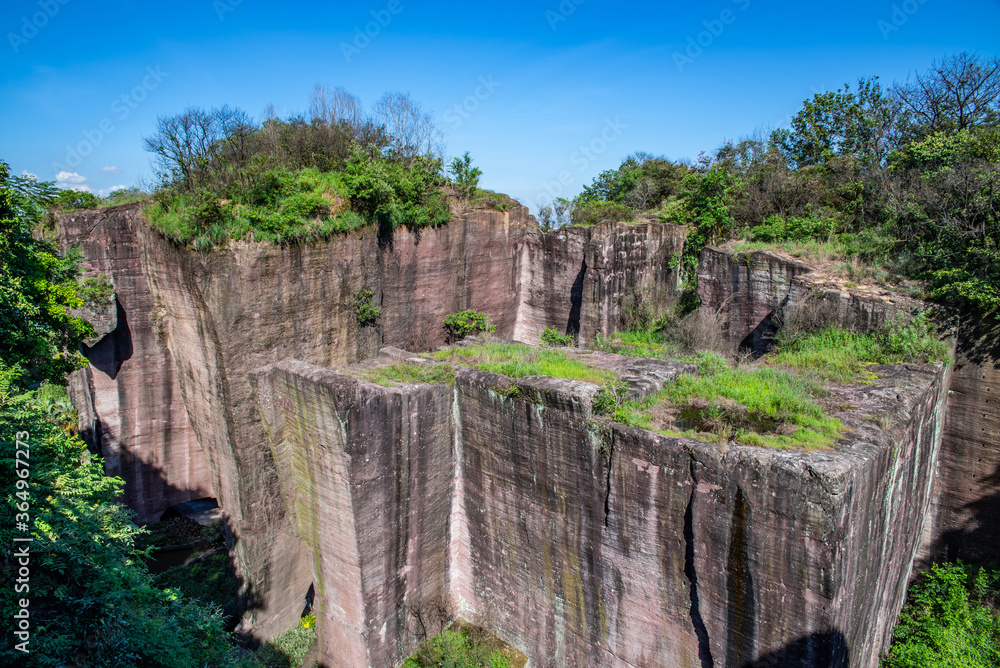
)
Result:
{"points": [[586, 280], [752, 292], [968, 490], [588, 543], [189, 328], [128, 399], [247, 305]]}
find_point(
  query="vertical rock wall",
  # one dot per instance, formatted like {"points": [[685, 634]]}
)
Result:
{"points": [[367, 472], [969, 482], [585, 280], [237, 308], [129, 399], [602, 545]]}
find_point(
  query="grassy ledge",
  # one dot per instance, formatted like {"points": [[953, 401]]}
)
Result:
{"points": [[740, 405], [516, 360], [410, 372], [839, 355]]}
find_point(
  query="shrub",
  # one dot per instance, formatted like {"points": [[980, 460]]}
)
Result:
{"points": [[591, 213], [95, 290], [950, 619], [465, 323], [462, 646], [365, 310], [466, 176], [553, 338]]}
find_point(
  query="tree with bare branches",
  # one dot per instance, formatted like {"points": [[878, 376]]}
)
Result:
{"points": [[957, 93]]}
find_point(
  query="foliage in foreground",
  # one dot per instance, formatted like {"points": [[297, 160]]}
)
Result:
{"points": [[950, 620], [91, 598], [38, 286]]}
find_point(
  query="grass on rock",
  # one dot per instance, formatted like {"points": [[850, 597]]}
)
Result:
{"points": [[410, 372], [517, 360]]}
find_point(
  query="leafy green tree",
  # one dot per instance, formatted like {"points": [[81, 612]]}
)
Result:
{"points": [[38, 287], [91, 600], [466, 177]]}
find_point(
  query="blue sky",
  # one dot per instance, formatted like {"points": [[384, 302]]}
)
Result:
{"points": [[537, 91]]}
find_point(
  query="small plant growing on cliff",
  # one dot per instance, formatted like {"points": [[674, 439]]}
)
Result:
{"points": [[611, 397], [466, 323], [365, 310], [553, 338]]}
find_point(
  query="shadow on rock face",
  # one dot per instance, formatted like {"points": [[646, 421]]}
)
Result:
{"points": [[817, 650], [108, 354]]}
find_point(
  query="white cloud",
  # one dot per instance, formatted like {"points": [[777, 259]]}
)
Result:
{"points": [[104, 192], [111, 169], [25, 172], [72, 181]]}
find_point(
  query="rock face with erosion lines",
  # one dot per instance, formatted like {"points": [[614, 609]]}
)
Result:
{"points": [[237, 373]]}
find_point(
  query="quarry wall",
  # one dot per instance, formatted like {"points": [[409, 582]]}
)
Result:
{"points": [[170, 400], [589, 543], [128, 398]]}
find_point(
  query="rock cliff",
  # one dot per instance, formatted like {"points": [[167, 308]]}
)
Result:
{"points": [[589, 543], [407, 506], [128, 398]]}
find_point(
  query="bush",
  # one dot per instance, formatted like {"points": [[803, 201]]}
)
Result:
{"points": [[466, 176], [465, 646], [587, 214], [950, 620], [365, 310], [465, 323], [553, 338]]}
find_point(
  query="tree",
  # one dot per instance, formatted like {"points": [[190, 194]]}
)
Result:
{"points": [[411, 131], [38, 287], [858, 125], [956, 93], [335, 106], [466, 177], [91, 600]]}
